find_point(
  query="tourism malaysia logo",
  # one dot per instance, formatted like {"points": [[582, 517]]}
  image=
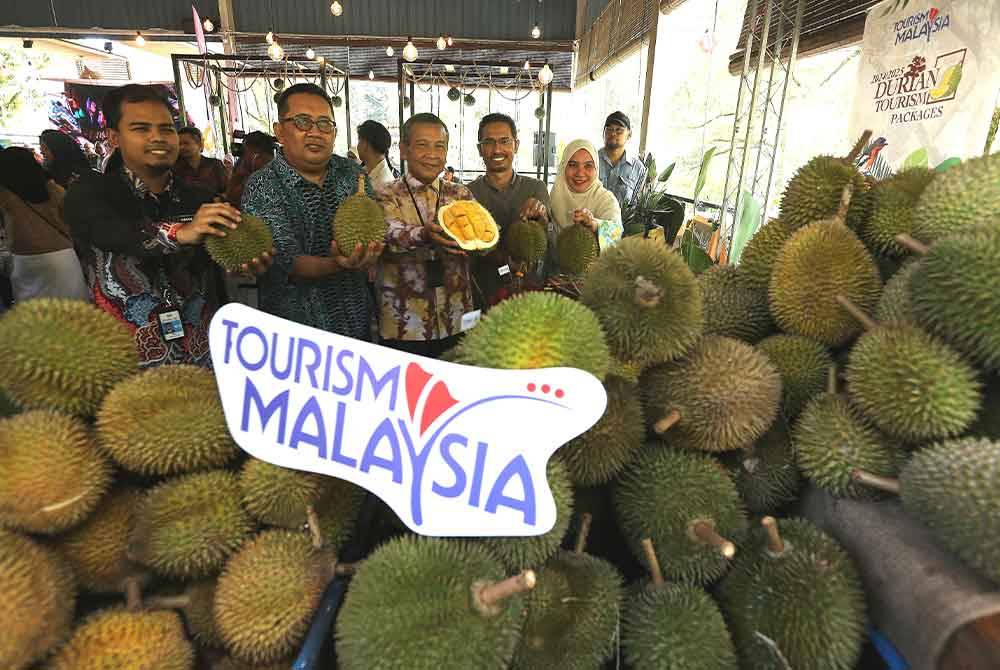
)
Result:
{"points": [[921, 25], [454, 450]]}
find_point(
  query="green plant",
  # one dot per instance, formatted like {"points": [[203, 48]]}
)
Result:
{"points": [[651, 204], [696, 257]]}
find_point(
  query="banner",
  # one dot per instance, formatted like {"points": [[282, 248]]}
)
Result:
{"points": [[928, 83], [454, 450]]}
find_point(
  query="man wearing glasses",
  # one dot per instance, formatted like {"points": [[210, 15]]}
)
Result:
{"points": [[509, 197], [620, 173], [312, 281]]}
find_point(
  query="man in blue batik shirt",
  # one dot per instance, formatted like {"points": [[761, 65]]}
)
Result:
{"points": [[311, 281], [621, 174]]}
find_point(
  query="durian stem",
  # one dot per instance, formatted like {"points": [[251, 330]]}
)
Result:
{"points": [[913, 244], [647, 294], [831, 379], [704, 531], [667, 422], [774, 542], [845, 201], [55, 507], [858, 313], [860, 145], [168, 602], [654, 564], [361, 184], [882, 483], [315, 530], [487, 596], [133, 594], [581, 538], [343, 569]]}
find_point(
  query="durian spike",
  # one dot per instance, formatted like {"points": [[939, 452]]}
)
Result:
{"points": [[774, 542], [831, 379], [654, 564], [361, 184], [704, 531], [667, 422], [913, 244], [133, 594], [647, 294], [858, 313], [581, 538], [882, 483], [312, 520], [487, 596], [860, 145], [167, 602]]}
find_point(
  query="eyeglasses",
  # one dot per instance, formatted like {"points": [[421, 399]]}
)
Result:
{"points": [[305, 123], [491, 143], [614, 130]]}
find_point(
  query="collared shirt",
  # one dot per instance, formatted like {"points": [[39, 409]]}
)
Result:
{"points": [[381, 174], [300, 214], [210, 175], [411, 306], [623, 179]]}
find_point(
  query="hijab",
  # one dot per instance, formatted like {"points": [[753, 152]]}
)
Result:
{"points": [[599, 200]]}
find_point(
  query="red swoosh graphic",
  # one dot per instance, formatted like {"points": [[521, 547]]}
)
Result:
{"points": [[416, 380], [439, 401]]}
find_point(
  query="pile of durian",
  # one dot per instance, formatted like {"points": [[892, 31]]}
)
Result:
{"points": [[857, 346]]}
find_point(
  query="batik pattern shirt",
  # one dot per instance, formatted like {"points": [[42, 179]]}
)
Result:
{"points": [[411, 307], [300, 214]]}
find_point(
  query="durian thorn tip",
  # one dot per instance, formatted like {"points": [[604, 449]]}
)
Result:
{"points": [[858, 313], [667, 422], [882, 483], [581, 538], [653, 562]]}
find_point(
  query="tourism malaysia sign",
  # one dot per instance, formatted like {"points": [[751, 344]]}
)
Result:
{"points": [[454, 450], [927, 84]]}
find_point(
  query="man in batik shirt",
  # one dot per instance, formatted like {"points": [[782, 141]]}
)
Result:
{"points": [[423, 284]]}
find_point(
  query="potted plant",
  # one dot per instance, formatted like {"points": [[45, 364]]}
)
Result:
{"points": [[652, 207]]}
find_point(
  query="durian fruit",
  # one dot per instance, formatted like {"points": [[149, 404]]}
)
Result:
{"points": [[794, 599], [266, 596], [359, 220], [196, 603], [814, 193], [955, 294], [250, 240], [766, 474], [723, 396], [519, 553], [576, 249], [598, 455], [893, 202], [757, 259], [687, 504], [832, 439], [336, 514], [230, 663], [910, 385], [38, 595], [734, 307], [118, 639], [819, 262], [420, 603], [52, 476], [802, 364], [537, 330], [573, 613], [895, 305], [7, 406], [279, 496], [647, 300], [526, 241], [188, 526], [97, 549], [164, 421], [63, 355], [959, 199], [951, 487], [674, 626], [470, 224], [987, 424]]}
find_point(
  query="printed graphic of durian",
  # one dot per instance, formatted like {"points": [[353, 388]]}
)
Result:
{"points": [[948, 85]]}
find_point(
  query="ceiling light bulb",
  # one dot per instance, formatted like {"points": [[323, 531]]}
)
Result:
{"points": [[310, 54], [536, 32], [442, 43], [545, 75], [450, 40], [336, 8], [275, 52], [527, 65], [269, 38], [371, 75], [504, 69], [410, 50], [139, 39], [389, 51], [208, 25], [449, 68]]}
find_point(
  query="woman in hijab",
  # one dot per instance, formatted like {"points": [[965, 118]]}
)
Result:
{"points": [[44, 262], [64, 159], [579, 199]]}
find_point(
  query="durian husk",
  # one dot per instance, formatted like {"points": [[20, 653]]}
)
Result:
{"points": [[960, 199], [576, 249], [526, 241], [802, 364], [766, 474], [813, 193], [757, 259], [734, 306], [893, 202], [250, 240], [359, 220], [141, 640], [279, 496]]}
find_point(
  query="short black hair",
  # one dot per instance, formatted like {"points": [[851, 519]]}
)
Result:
{"points": [[259, 141], [449, 169], [423, 117], [116, 97], [305, 88], [192, 131], [496, 118], [376, 135]]}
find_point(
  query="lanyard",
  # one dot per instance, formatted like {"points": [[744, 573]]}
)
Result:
{"points": [[414, 200]]}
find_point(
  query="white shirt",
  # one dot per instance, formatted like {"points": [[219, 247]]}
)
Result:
{"points": [[381, 174]]}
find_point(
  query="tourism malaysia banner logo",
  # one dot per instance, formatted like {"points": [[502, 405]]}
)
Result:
{"points": [[921, 25], [454, 450]]}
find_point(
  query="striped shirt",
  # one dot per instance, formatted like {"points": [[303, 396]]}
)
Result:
{"points": [[623, 179]]}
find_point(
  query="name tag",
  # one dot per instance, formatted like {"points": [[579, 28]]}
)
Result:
{"points": [[471, 319], [503, 270], [171, 326]]}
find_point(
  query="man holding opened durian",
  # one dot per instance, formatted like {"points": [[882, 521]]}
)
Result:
{"points": [[312, 280]]}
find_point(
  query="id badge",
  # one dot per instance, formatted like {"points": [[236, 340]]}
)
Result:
{"points": [[171, 326]]}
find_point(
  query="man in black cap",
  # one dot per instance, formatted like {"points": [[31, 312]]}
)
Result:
{"points": [[621, 174]]}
